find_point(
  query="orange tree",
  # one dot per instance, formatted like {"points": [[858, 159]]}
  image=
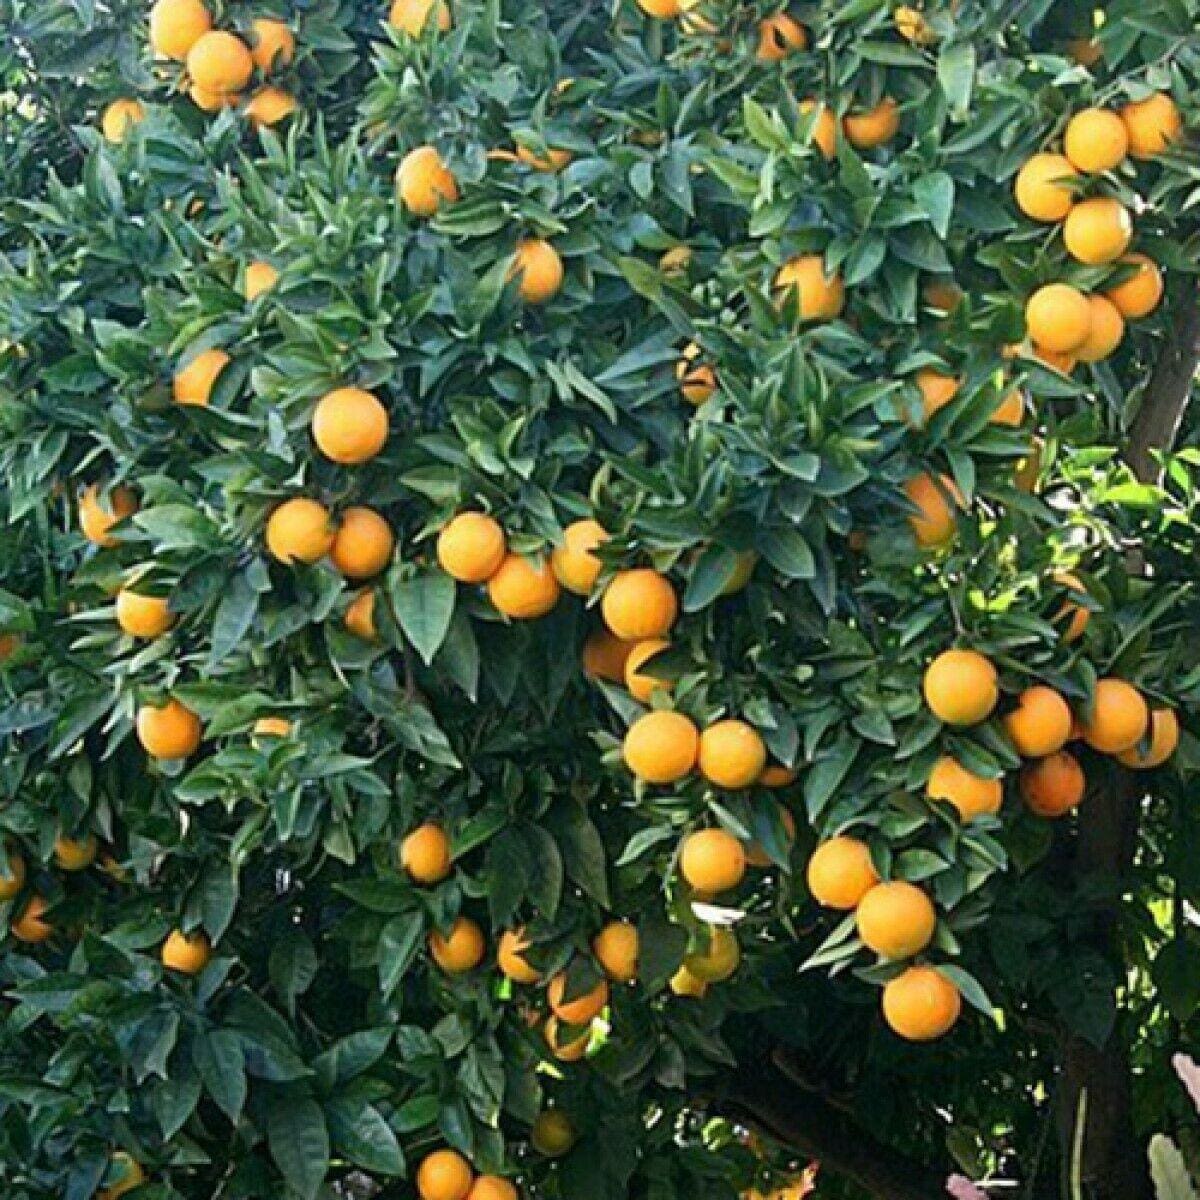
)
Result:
{"points": [[583, 581]]}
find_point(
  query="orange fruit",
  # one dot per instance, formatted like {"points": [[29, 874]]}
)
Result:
{"points": [[697, 380], [444, 1175], [270, 105], [97, 516], [510, 957], [1096, 140], [425, 854], [552, 160], [193, 384], [937, 390], [363, 544], [12, 873], [876, 126], [493, 1187], [169, 731], [119, 118], [349, 425], [552, 1133], [1106, 332], [220, 62], [896, 919], [720, 958], [424, 181], [1164, 737], [756, 853], [1011, 410], [31, 926], [143, 616], [259, 277], [1117, 718], [1079, 615], [961, 687], [840, 873], [1040, 724], [933, 523], [274, 44], [275, 727], [360, 616], [129, 1176], [732, 754], [911, 25], [778, 36], [1053, 785], [971, 794], [662, 10], [413, 16], [1041, 188], [75, 854], [579, 1009], [1065, 363], [187, 953], [684, 983], [538, 270], [605, 656], [211, 102], [676, 261], [1138, 295], [1087, 52], [573, 563], [712, 861], [661, 747], [523, 590], [299, 530], [176, 26], [642, 686], [1152, 124], [824, 133], [639, 604], [921, 1004], [942, 294], [820, 295], [460, 950], [1098, 231], [1058, 317], [471, 547], [616, 950]]}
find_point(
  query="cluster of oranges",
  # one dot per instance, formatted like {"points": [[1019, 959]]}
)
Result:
{"points": [[447, 1175], [1065, 325]]}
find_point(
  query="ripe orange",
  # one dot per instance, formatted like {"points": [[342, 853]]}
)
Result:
{"points": [[840, 872], [413, 16], [360, 616], [363, 544], [719, 959], [1117, 719], [444, 1175], [1040, 724], [75, 854], [193, 384], [732, 754], [566, 1047], [942, 294], [471, 547], [921, 1004], [1078, 614], [573, 563], [1164, 737], [299, 530], [1041, 188], [961, 687], [129, 1175], [425, 854], [778, 36], [220, 62], [510, 957], [119, 118], [875, 127], [697, 380], [1096, 140], [820, 295], [971, 794], [1058, 317], [911, 25], [552, 1133], [270, 105], [143, 616], [684, 983], [31, 926], [275, 727], [12, 873], [639, 604], [1107, 330], [1011, 410], [756, 853], [210, 102], [171, 731], [460, 950], [523, 590], [176, 26], [824, 132], [1064, 363], [616, 950], [661, 747], [274, 44], [349, 425], [937, 390], [1087, 52], [1138, 295], [712, 861], [605, 656], [493, 1187], [1098, 231], [1054, 785], [538, 270], [933, 523], [259, 277], [187, 953], [97, 516], [424, 181], [643, 685], [1153, 124], [896, 919], [579, 1009]]}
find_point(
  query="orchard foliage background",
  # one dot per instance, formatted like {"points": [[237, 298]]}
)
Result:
{"points": [[322, 1044]]}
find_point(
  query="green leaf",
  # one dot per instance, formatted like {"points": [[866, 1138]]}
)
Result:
{"points": [[1169, 1170], [399, 942], [218, 1059], [292, 966], [359, 1131], [298, 1141], [956, 74], [424, 606], [235, 615]]}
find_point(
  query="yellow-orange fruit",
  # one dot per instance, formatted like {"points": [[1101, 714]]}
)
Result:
{"points": [[896, 919], [538, 270], [119, 117], [276, 727], [573, 563], [1058, 317], [425, 182], [642, 685], [684, 983], [639, 604], [1053, 785], [510, 957], [605, 656], [523, 590], [1011, 411], [1152, 124], [566, 1047], [616, 950], [176, 26], [187, 953], [1040, 724], [876, 126], [821, 296], [778, 36], [259, 277], [210, 102], [1078, 615], [493, 1187], [98, 515], [719, 959], [1087, 52], [425, 854], [1098, 231], [697, 380], [824, 128], [552, 160], [912, 26], [460, 950], [12, 874], [942, 294], [270, 105], [971, 794], [143, 616], [1107, 330], [732, 754], [921, 1004], [274, 44], [661, 747], [933, 523], [579, 1009], [299, 530], [1065, 363], [444, 1175], [129, 1176], [220, 62], [1096, 140], [1139, 294], [360, 616], [75, 854], [840, 872], [471, 547], [661, 10], [194, 383], [961, 687], [1041, 188], [413, 16], [31, 926], [169, 731], [363, 544], [1164, 737], [677, 260], [937, 390], [712, 861], [349, 425], [1118, 717], [552, 1133]]}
